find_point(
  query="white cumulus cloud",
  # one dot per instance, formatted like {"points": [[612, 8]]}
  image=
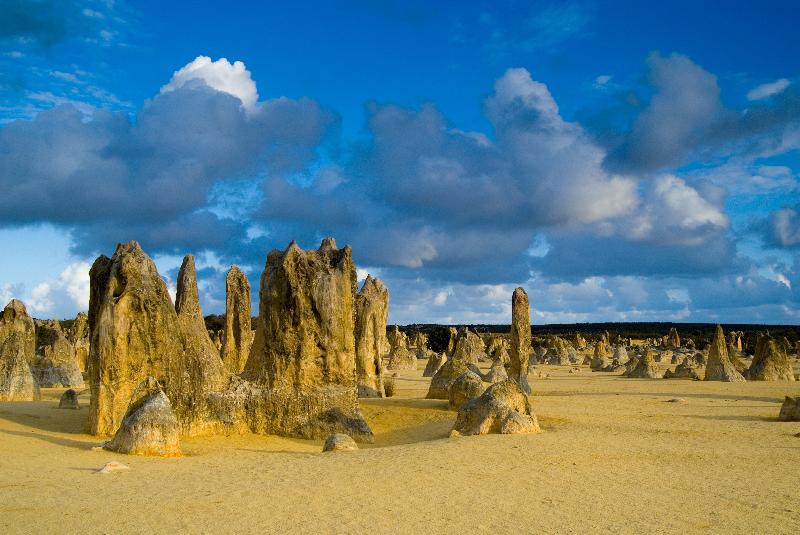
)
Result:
{"points": [[64, 296], [221, 75]]}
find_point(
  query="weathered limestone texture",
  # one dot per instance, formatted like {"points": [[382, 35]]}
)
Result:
{"points": [[136, 332], [520, 339], [372, 311], [79, 337], [719, 366], [17, 382], [504, 408], [149, 426], [15, 318], [770, 363], [238, 335], [305, 359], [56, 362], [468, 386]]}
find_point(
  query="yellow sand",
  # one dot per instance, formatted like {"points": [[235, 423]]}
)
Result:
{"points": [[614, 457]]}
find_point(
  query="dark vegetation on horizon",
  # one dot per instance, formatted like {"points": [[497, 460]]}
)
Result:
{"points": [[701, 333]]}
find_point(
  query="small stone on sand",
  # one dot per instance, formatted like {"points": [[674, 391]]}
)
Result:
{"points": [[113, 466]]}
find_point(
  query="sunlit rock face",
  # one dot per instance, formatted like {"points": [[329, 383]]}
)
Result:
{"points": [[56, 363], [372, 310], [503, 408], [238, 335], [17, 382], [149, 426], [136, 332], [15, 318], [771, 362], [79, 337], [520, 339], [301, 371], [304, 358], [719, 367]]}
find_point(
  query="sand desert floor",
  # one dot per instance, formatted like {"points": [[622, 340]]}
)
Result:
{"points": [[614, 456]]}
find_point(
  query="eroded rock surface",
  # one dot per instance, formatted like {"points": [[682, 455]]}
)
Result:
{"points": [[503, 408], [645, 367], [303, 365], [136, 332], [149, 426], [400, 356], [466, 387], [372, 310], [15, 318], [435, 362], [56, 363], [17, 382], [687, 369], [496, 373], [79, 337], [444, 378], [718, 365], [600, 358], [238, 335], [520, 339], [770, 363]]}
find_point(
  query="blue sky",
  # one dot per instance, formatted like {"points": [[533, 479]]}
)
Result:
{"points": [[623, 161]]}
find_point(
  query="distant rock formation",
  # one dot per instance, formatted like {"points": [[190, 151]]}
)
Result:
{"points": [[770, 363], [451, 343], [600, 358], [419, 340], [558, 351], [496, 345], [496, 373], [645, 368], [237, 337], [15, 318], [149, 426], [673, 340], [520, 339], [17, 382], [580, 341], [56, 362], [468, 346], [503, 408], [620, 355], [447, 374], [400, 357], [79, 337], [372, 310], [719, 366], [687, 369], [435, 362]]}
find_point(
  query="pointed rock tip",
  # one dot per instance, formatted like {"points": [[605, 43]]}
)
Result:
{"points": [[17, 306], [131, 246], [292, 246], [328, 244]]}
